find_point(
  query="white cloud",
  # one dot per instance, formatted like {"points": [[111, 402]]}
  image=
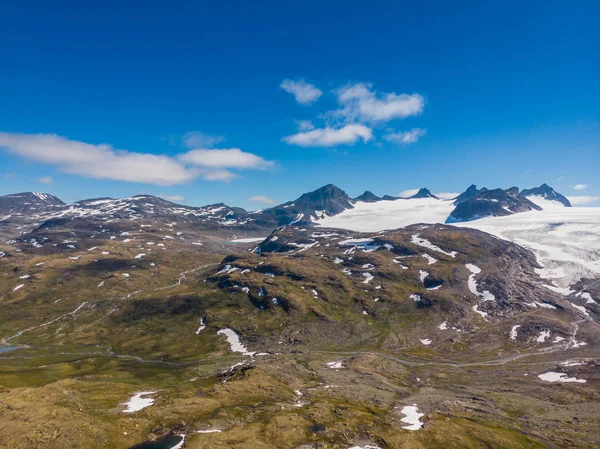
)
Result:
{"points": [[580, 187], [447, 195], [560, 178], [46, 180], [405, 137], [581, 199], [360, 102], [305, 93], [328, 137], [262, 199], [197, 139], [225, 158], [305, 125], [178, 198], [219, 175], [105, 162], [408, 193]]}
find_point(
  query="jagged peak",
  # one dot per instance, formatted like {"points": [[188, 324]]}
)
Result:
{"points": [[424, 193], [368, 197], [546, 192]]}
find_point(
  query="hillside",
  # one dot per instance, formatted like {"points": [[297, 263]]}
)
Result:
{"points": [[127, 325]]}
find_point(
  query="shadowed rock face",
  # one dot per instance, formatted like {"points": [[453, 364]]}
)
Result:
{"points": [[368, 197], [471, 192], [328, 200], [389, 198], [495, 203], [548, 193], [423, 193]]}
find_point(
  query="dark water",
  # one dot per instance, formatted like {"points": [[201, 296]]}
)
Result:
{"points": [[7, 348], [317, 428], [166, 442]]}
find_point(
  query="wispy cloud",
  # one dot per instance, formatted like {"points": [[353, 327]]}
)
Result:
{"points": [[220, 175], [46, 180], [405, 137], [359, 102], [105, 162], [328, 137], [580, 187], [304, 93], [225, 158], [305, 125], [579, 200], [262, 199], [197, 139], [447, 195], [177, 198], [407, 193]]}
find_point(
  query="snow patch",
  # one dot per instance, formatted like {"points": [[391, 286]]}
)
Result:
{"points": [[139, 401], [234, 341], [552, 376], [412, 417]]}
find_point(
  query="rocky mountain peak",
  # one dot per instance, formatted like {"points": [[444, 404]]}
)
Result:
{"points": [[28, 202], [547, 193], [368, 197], [471, 191], [424, 193], [329, 198], [496, 202]]}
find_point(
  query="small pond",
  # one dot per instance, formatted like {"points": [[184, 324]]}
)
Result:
{"points": [[166, 442], [7, 348]]}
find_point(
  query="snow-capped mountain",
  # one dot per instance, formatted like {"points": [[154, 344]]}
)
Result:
{"points": [[496, 203], [423, 193], [544, 193], [28, 203], [566, 241], [326, 201], [48, 210], [471, 192]]}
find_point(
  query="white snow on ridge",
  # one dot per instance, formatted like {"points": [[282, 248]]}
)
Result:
{"points": [[248, 240], [368, 277], [485, 295], [566, 240], [513, 332], [543, 336], [543, 202], [480, 312], [335, 365], [383, 215], [427, 244], [430, 260]]}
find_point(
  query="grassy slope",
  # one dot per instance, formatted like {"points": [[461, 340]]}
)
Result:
{"points": [[66, 389]]}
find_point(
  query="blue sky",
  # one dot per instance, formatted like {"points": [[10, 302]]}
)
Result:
{"points": [[237, 100]]}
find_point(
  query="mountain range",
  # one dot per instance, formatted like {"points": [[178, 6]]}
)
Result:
{"points": [[326, 321], [310, 207]]}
